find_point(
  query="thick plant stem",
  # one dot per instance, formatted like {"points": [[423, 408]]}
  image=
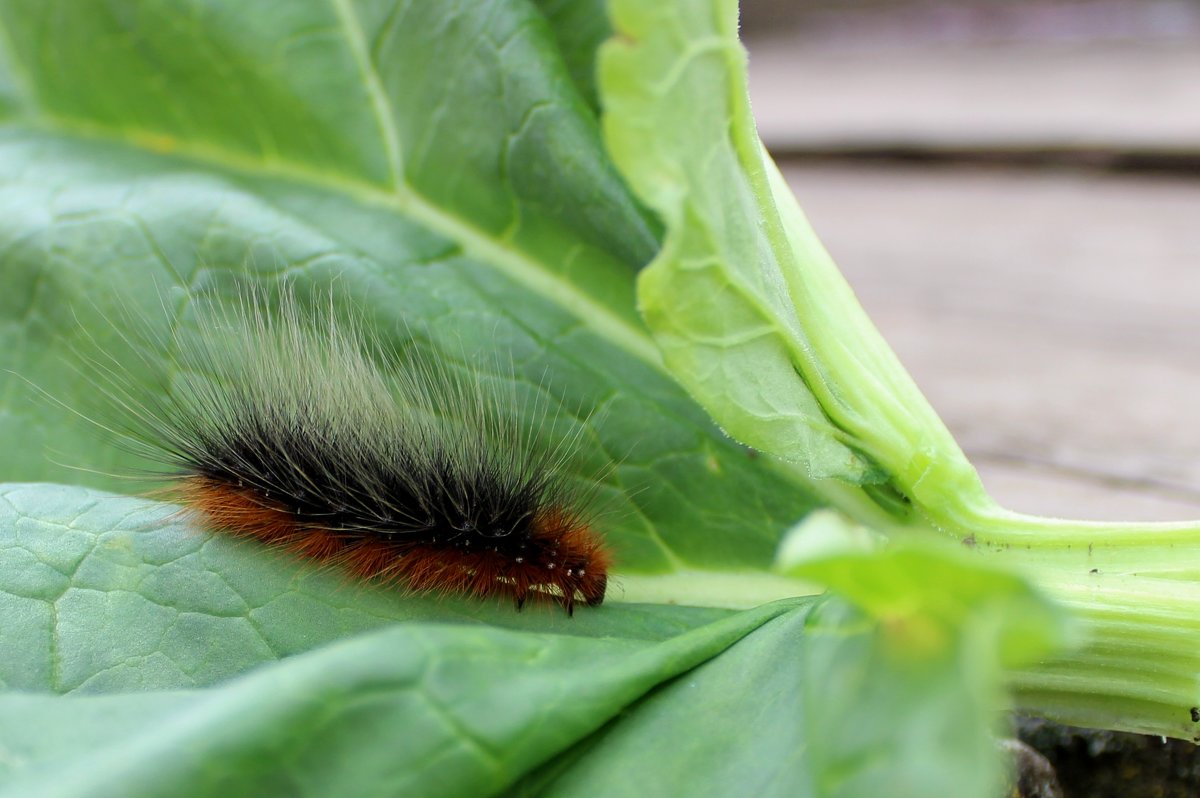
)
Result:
{"points": [[1135, 589], [1139, 667]]}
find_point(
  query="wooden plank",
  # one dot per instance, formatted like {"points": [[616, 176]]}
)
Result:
{"points": [[1123, 97], [1053, 319]]}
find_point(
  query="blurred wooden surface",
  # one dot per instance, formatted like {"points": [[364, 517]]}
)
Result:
{"points": [[1051, 315], [1052, 319], [1126, 97]]}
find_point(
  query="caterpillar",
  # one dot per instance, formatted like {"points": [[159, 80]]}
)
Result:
{"points": [[306, 433]]}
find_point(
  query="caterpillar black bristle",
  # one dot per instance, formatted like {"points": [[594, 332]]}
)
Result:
{"points": [[305, 433]]}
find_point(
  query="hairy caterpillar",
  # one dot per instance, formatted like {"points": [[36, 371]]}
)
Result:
{"points": [[306, 433]]}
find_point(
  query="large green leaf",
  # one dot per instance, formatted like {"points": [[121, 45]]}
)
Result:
{"points": [[438, 167], [433, 162]]}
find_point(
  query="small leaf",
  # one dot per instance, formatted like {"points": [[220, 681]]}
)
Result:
{"points": [[880, 723], [926, 595], [914, 647]]}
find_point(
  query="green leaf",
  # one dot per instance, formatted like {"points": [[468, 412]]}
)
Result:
{"points": [[417, 709], [925, 593], [433, 164], [750, 312], [723, 323], [917, 647]]}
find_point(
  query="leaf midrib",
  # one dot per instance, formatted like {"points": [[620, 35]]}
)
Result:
{"points": [[381, 107]]}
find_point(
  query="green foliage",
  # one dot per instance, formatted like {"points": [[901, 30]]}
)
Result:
{"points": [[485, 177], [922, 635]]}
